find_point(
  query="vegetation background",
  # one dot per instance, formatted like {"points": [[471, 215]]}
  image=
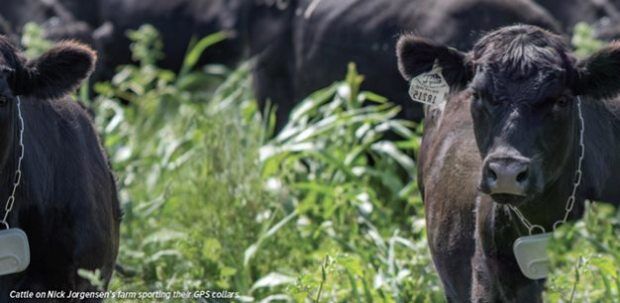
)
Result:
{"points": [[325, 210]]}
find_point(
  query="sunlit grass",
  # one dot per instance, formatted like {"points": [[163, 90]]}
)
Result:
{"points": [[324, 210]]}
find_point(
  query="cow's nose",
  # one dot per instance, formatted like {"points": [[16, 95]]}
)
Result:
{"points": [[506, 176]]}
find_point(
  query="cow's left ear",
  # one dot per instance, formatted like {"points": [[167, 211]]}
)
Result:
{"points": [[599, 75], [57, 72]]}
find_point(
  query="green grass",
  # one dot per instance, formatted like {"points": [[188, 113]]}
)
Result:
{"points": [[215, 200], [325, 210]]}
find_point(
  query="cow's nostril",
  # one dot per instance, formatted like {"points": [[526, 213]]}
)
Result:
{"points": [[522, 176]]}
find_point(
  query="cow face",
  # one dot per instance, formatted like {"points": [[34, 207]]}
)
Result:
{"points": [[523, 111], [522, 85]]}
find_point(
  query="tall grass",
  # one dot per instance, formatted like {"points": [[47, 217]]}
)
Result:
{"points": [[325, 210]]}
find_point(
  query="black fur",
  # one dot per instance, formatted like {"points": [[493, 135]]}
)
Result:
{"points": [[67, 200], [599, 75], [523, 50], [58, 71]]}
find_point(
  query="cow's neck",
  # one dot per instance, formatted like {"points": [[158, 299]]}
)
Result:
{"points": [[8, 161], [601, 167], [602, 159], [498, 228], [504, 226], [550, 206], [601, 171]]}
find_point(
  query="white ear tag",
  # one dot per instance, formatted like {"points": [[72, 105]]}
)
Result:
{"points": [[531, 254], [430, 87], [14, 251]]}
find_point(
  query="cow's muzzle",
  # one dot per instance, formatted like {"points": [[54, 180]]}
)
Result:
{"points": [[506, 179]]}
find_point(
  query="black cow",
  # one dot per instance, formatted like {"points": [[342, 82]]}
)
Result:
{"points": [[330, 33], [103, 24], [15, 13], [177, 21], [67, 200], [256, 29], [521, 88], [58, 22]]}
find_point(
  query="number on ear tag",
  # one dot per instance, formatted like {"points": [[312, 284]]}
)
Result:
{"points": [[14, 251], [430, 87], [531, 254]]}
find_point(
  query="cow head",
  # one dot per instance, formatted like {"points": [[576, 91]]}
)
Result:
{"points": [[522, 84], [54, 74]]}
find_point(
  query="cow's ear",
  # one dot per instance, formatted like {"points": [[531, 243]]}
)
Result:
{"points": [[57, 72], [599, 75], [417, 55]]}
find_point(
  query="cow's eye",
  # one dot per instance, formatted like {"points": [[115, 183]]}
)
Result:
{"points": [[492, 101], [561, 101], [3, 100], [475, 95]]}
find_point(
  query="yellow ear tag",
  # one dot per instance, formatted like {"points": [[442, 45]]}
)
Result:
{"points": [[430, 87]]}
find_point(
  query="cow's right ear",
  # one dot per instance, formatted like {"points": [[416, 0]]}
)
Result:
{"points": [[417, 55]]}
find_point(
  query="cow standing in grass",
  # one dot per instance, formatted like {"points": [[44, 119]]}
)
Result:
{"points": [[519, 92], [66, 201]]}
